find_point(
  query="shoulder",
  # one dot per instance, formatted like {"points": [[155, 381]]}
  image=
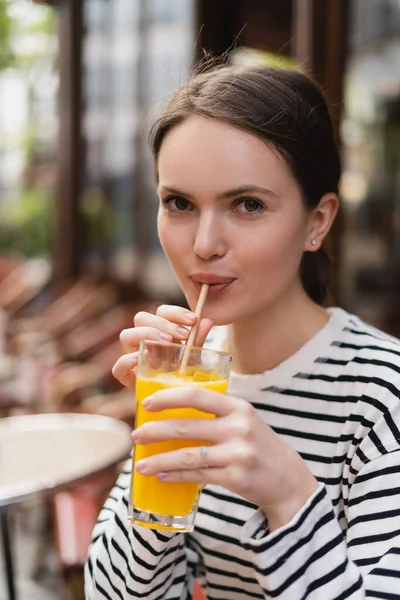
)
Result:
{"points": [[371, 360], [358, 367], [352, 324], [364, 346]]}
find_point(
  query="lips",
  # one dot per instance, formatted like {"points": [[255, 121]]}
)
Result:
{"points": [[211, 279], [219, 284]]}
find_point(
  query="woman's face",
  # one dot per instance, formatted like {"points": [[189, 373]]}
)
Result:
{"points": [[231, 215]]}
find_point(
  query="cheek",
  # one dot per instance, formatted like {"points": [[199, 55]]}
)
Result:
{"points": [[162, 231], [279, 250], [172, 243]]}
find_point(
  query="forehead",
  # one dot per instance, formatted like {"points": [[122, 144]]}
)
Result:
{"points": [[207, 151]]}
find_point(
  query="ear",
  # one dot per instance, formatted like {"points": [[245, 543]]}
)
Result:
{"points": [[320, 221]]}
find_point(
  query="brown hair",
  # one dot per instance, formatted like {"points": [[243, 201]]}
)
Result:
{"points": [[286, 110]]}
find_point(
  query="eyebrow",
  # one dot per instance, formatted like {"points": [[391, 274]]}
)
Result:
{"points": [[245, 189], [237, 191]]}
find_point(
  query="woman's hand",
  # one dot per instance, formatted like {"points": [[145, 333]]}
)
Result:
{"points": [[169, 324], [244, 454]]}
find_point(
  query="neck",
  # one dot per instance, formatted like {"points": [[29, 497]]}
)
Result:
{"points": [[266, 339]]}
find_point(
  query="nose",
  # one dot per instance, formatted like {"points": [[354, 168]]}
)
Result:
{"points": [[209, 242]]}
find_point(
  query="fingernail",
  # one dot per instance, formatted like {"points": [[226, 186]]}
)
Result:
{"points": [[182, 331], [141, 466], [147, 402], [189, 317], [166, 337], [162, 476], [135, 436]]}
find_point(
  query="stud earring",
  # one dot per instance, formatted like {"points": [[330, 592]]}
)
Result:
{"points": [[313, 243]]}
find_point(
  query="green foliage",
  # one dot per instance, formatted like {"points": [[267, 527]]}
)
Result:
{"points": [[245, 55], [278, 60], [26, 224], [43, 25], [11, 29], [6, 55]]}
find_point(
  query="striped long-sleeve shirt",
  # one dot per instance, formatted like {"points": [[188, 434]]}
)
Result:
{"points": [[336, 401]]}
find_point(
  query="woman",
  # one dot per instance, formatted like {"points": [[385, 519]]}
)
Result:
{"points": [[302, 472]]}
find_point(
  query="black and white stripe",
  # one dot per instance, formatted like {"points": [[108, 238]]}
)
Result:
{"points": [[336, 401]]}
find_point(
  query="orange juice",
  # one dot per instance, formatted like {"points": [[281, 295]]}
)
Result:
{"points": [[150, 494]]}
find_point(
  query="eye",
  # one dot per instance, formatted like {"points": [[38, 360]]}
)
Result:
{"points": [[176, 204], [249, 206]]}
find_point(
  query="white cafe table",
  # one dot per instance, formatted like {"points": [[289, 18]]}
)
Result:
{"points": [[41, 454]]}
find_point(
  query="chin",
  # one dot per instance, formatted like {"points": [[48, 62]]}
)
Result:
{"points": [[220, 322], [219, 311], [219, 317]]}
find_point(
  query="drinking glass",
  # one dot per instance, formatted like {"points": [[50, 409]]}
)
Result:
{"points": [[171, 505]]}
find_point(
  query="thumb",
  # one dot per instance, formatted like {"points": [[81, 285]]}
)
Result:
{"points": [[203, 331]]}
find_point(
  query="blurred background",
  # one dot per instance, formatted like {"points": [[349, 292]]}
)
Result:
{"points": [[80, 81]]}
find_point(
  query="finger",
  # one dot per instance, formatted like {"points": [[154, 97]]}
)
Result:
{"points": [[205, 326], [131, 338], [178, 331], [124, 370], [196, 458], [193, 396], [208, 429], [202, 476], [177, 314], [193, 476]]}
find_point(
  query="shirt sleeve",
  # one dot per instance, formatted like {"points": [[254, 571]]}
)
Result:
{"points": [[312, 558], [128, 561]]}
